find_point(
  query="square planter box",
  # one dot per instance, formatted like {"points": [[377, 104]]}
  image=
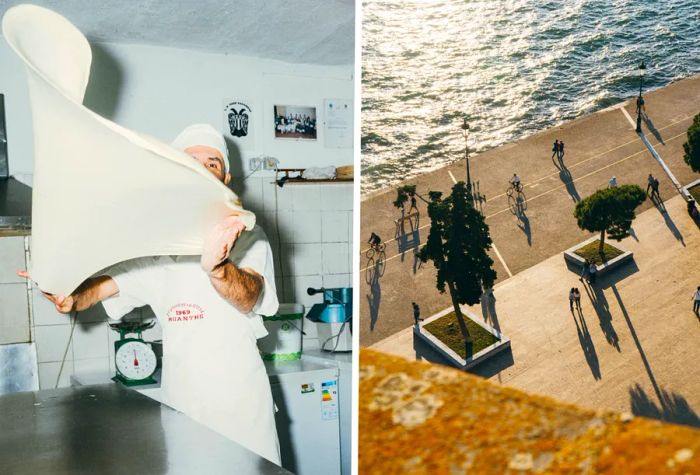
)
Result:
{"points": [[690, 185], [612, 264], [432, 341]]}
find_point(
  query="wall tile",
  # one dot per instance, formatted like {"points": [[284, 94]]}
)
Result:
{"points": [[92, 365], [336, 197], [337, 280], [48, 372], [90, 340], [45, 312], [285, 197], [335, 258], [301, 284], [288, 259], [307, 259], [307, 226], [307, 197], [335, 226], [14, 313], [252, 195], [287, 225], [51, 341], [11, 259]]}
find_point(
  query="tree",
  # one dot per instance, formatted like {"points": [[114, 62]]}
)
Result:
{"points": [[457, 244], [403, 193], [609, 210], [692, 146]]}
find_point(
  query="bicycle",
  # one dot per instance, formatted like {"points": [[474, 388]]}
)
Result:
{"points": [[375, 249], [517, 202], [374, 267]]}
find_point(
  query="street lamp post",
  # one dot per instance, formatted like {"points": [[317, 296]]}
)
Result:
{"points": [[465, 134], [640, 100]]}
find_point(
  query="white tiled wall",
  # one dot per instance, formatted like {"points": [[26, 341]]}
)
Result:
{"points": [[14, 315], [314, 245], [312, 249]]}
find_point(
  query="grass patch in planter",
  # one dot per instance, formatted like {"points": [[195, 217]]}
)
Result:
{"points": [[695, 192], [446, 329], [591, 252]]}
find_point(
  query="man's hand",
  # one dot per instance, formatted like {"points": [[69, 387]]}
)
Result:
{"points": [[220, 241], [63, 303]]}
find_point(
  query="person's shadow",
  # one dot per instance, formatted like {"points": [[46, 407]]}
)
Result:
{"points": [[586, 342], [375, 295], [652, 129], [566, 178], [600, 304], [523, 221], [672, 407]]}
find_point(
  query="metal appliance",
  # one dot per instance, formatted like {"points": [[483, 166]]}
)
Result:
{"points": [[15, 197], [307, 397], [333, 318]]}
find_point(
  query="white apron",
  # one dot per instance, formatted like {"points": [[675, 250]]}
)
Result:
{"points": [[212, 370]]}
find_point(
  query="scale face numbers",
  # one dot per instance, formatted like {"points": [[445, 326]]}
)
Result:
{"points": [[135, 360]]}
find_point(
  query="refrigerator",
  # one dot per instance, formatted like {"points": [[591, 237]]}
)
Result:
{"points": [[306, 395]]}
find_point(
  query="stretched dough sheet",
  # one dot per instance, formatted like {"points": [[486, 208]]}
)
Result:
{"points": [[102, 193]]}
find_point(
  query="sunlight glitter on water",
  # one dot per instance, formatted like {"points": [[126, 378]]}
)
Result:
{"points": [[514, 68]]}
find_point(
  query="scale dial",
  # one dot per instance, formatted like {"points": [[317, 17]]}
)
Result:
{"points": [[135, 360]]}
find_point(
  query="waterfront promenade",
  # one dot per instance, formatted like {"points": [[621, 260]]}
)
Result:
{"points": [[598, 146]]}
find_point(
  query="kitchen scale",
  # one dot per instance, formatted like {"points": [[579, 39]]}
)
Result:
{"points": [[134, 359]]}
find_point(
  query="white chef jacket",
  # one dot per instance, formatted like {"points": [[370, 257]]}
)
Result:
{"points": [[212, 370]]}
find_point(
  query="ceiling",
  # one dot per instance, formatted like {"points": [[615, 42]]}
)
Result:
{"points": [[296, 31]]}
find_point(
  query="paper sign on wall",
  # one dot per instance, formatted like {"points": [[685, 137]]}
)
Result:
{"points": [[238, 123], [338, 123]]}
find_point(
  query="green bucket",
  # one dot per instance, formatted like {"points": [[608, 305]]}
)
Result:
{"points": [[283, 342]]}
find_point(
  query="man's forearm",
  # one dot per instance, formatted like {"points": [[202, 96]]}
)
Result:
{"points": [[93, 291], [240, 287]]}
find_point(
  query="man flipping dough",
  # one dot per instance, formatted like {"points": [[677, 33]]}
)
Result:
{"points": [[209, 310]]}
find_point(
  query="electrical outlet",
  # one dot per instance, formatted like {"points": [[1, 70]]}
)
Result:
{"points": [[255, 163], [271, 163]]}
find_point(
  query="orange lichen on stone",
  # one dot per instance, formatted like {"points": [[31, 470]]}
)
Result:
{"points": [[419, 418]]}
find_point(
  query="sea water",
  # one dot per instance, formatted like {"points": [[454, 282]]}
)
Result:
{"points": [[512, 67]]}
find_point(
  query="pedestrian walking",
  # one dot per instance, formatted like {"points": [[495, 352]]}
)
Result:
{"points": [[592, 273], [561, 150], [650, 183], [572, 299], [577, 298], [584, 272], [416, 313], [555, 149], [696, 301], [655, 189]]}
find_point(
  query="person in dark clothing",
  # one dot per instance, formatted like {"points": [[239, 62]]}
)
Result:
{"points": [[555, 149], [655, 189], [374, 240], [413, 204], [561, 151], [416, 313]]}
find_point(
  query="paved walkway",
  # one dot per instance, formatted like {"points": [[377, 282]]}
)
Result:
{"points": [[597, 147], [633, 348]]}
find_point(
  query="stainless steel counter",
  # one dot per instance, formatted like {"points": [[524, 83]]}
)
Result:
{"points": [[110, 430]]}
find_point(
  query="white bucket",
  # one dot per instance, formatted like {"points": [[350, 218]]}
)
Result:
{"points": [[284, 340]]}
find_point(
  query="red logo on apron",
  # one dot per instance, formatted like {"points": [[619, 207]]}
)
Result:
{"points": [[185, 312]]}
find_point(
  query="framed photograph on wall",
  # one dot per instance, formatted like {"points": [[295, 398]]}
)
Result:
{"points": [[295, 122]]}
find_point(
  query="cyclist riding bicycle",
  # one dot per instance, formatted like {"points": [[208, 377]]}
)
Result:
{"points": [[374, 241], [515, 181]]}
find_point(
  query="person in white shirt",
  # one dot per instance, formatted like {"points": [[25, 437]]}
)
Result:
{"points": [[515, 181], [209, 307], [696, 301]]}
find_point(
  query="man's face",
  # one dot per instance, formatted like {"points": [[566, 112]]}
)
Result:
{"points": [[211, 159]]}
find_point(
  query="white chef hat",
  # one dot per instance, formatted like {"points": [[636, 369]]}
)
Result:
{"points": [[202, 134]]}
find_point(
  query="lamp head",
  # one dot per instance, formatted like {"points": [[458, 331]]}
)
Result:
{"points": [[642, 68]]}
